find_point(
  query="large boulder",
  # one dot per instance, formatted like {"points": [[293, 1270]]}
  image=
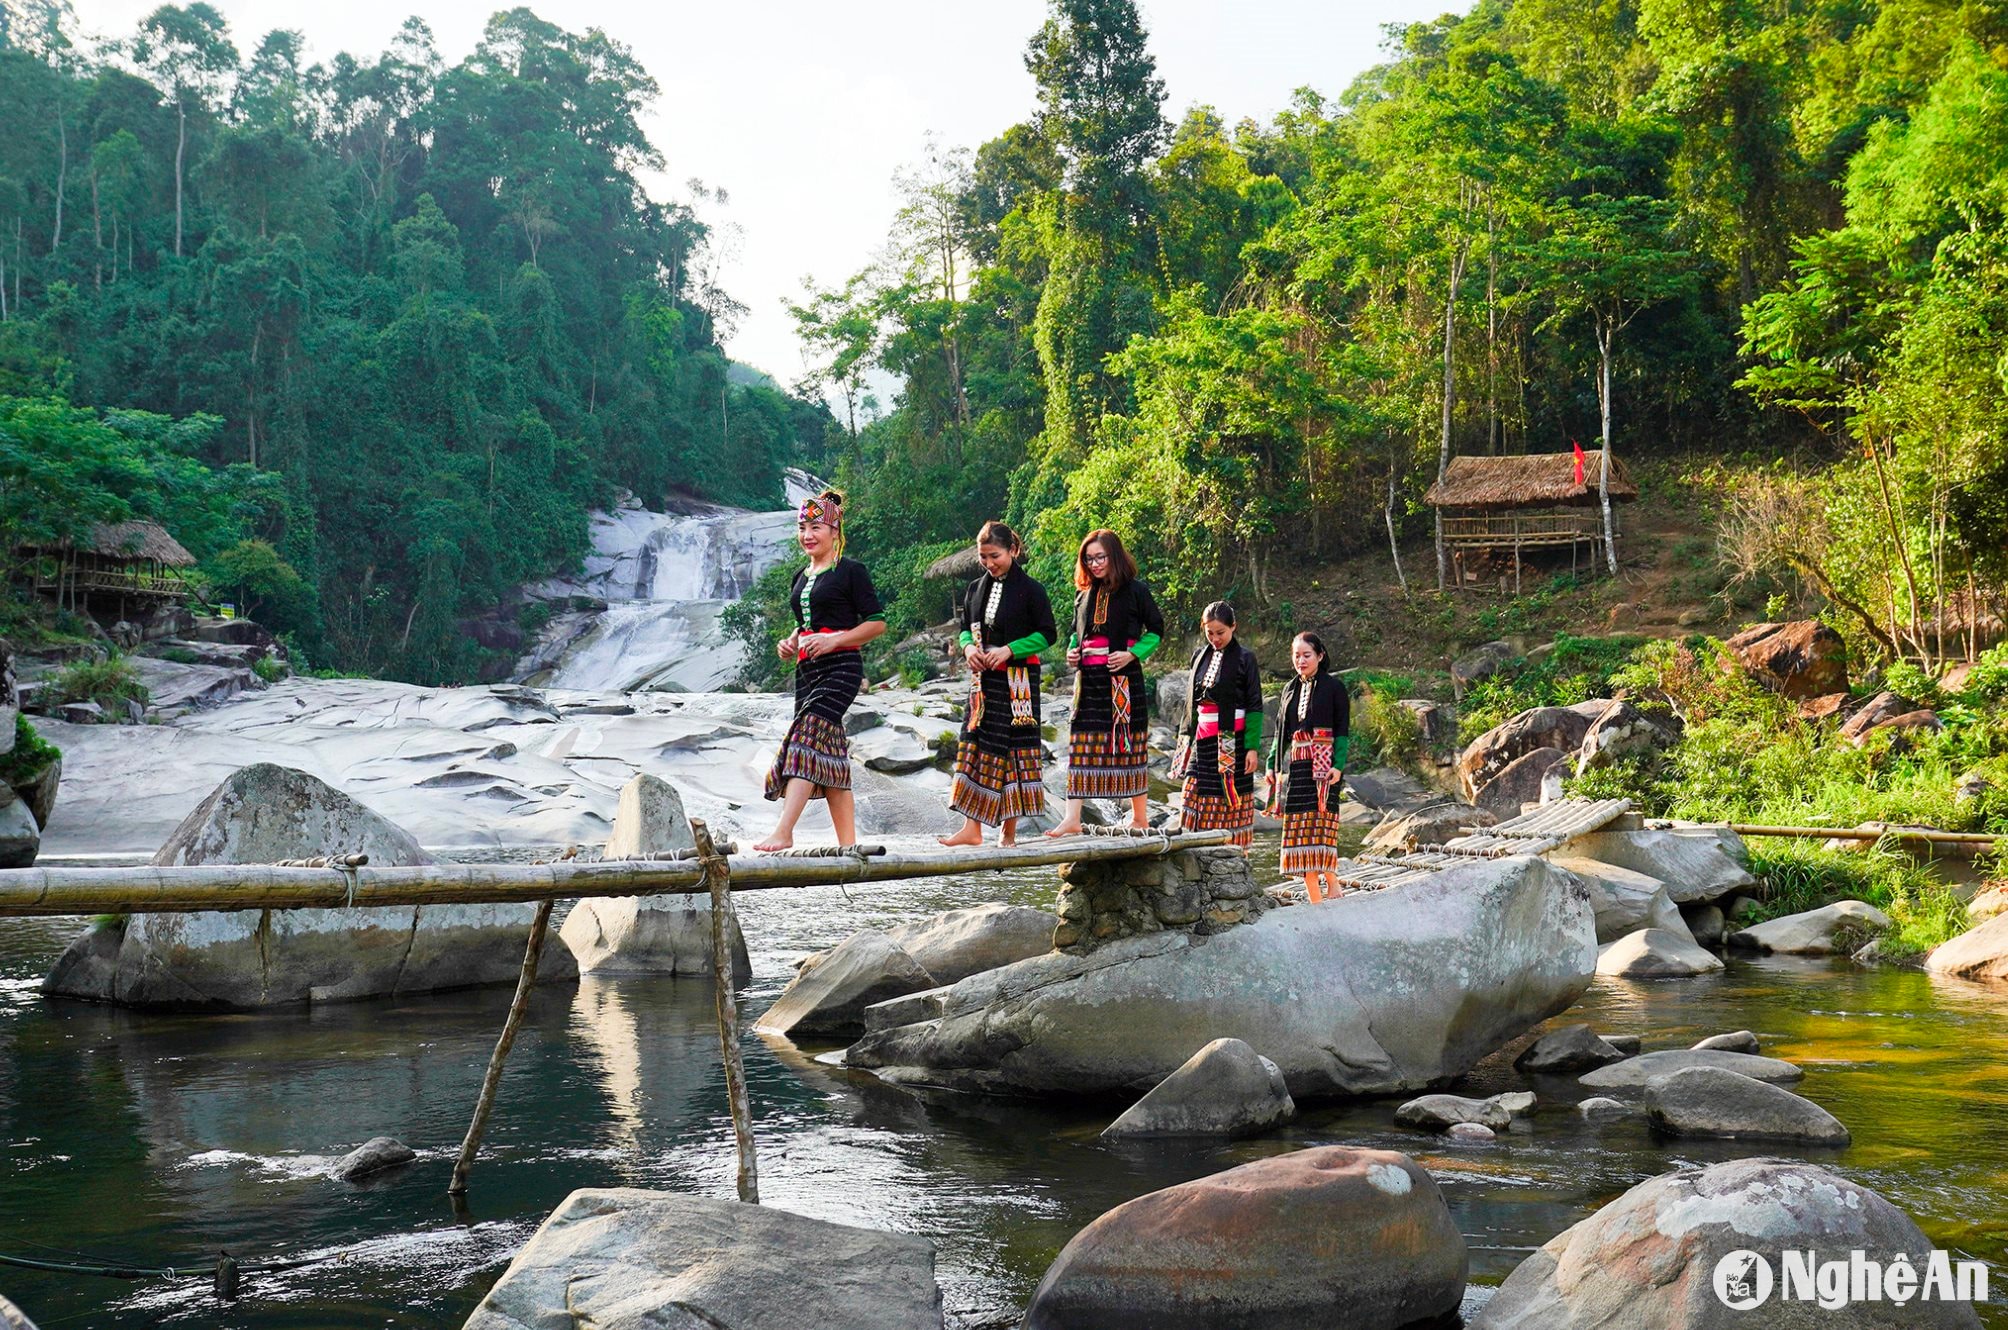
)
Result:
{"points": [[1527, 779], [1696, 863], [959, 943], [1427, 827], [1622, 731], [668, 934], [1978, 953], [262, 958], [1801, 659], [1624, 901], [1387, 992], [1492, 752], [1654, 953], [1820, 932], [1874, 713], [828, 995], [627, 1259], [1481, 662], [20, 833], [1633, 1073], [1572, 1048], [1708, 1101], [1650, 1259], [1328, 1236], [1225, 1089]]}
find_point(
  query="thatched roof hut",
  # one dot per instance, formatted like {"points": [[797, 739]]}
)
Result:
{"points": [[140, 542], [1537, 480], [963, 565], [122, 560]]}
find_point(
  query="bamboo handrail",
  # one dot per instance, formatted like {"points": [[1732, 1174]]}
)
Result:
{"points": [[1924, 834], [152, 889]]}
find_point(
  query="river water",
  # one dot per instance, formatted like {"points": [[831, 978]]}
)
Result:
{"points": [[154, 1140]]}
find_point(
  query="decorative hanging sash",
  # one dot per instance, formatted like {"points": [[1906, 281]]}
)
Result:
{"points": [[1315, 746], [1226, 751], [976, 685], [1020, 679]]}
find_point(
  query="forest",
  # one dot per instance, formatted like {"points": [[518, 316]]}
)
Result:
{"points": [[377, 334], [371, 337], [1769, 232]]}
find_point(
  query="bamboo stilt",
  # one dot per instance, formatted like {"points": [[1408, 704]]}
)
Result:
{"points": [[718, 876], [185, 889], [533, 951]]}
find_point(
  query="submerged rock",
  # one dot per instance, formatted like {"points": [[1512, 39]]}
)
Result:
{"points": [[1736, 1041], [1225, 1089], [623, 1257], [666, 934], [1323, 1237], [1709, 1101], [1599, 1110], [1633, 1073], [373, 1156], [828, 995], [263, 958], [1438, 1112], [1378, 994], [1649, 1258], [1572, 1048], [1654, 953], [1470, 1133]]}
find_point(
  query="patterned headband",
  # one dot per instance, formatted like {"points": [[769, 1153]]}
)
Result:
{"points": [[817, 510]]}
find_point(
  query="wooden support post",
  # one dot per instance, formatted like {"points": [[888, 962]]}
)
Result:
{"points": [[718, 877], [533, 951]]}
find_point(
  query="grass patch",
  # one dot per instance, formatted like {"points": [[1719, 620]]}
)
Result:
{"points": [[109, 682], [1574, 670]]}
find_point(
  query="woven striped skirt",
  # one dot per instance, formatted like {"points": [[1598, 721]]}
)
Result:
{"points": [[997, 776], [1108, 753], [1214, 799], [816, 749], [1310, 842]]}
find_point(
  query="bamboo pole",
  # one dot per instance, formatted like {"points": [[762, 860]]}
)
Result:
{"points": [[533, 951], [718, 876], [149, 889], [1855, 833]]}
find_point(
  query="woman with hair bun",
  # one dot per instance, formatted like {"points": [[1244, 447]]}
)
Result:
{"points": [[1221, 744], [1313, 732], [1007, 620], [836, 612], [1117, 624]]}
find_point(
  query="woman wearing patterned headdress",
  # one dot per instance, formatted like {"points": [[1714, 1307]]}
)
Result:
{"points": [[1313, 732], [1007, 620], [1116, 626], [836, 612], [1221, 742]]}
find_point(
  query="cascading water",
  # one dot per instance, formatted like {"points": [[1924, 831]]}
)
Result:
{"points": [[666, 578]]}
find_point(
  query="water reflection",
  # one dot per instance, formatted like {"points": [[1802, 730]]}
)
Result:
{"points": [[158, 1138]]}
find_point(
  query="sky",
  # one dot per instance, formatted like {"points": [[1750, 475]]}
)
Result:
{"points": [[802, 110]]}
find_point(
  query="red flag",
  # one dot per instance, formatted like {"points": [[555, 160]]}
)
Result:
{"points": [[1579, 460]]}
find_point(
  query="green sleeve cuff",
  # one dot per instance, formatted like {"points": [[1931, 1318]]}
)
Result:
{"points": [[1145, 645], [1341, 745], [967, 638], [1029, 645], [1254, 744]]}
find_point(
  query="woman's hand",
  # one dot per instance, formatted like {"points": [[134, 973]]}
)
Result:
{"points": [[818, 644], [785, 648], [1251, 763], [973, 654], [1121, 660], [1271, 800], [1333, 778], [997, 658], [1073, 658]]}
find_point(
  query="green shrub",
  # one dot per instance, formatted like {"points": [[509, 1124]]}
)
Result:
{"points": [[1911, 681], [109, 682], [1575, 670], [1385, 733], [1989, 680], [270, 668], [31, 754], [533, 616], [179, 655]]}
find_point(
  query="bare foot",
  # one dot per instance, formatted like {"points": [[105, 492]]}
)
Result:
{"points": [[1064, 829], [775, 842], [970, 835], [1009, 839]]}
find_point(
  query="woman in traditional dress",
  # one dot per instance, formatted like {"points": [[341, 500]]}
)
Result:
{"points": [[1007, 620], [1313, 732], [1221, 743], [1117, 624], [836, 612]]}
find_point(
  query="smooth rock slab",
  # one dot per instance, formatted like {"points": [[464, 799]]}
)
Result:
{"points": [[1708, 1101], [1696, 863], [1633, 1073], [1978, 953], [1625, 901], [828, 995], [1225, 1089], [1648, 1259], [628, 1259], [1572, 1048], [1813, 932], [954, 945], [373, 1156], [1331, 1236], [1396, 990], [1654, 953]]}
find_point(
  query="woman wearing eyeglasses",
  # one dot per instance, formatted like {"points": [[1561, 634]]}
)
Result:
{"points": [[836, 612], [1221, 741], [1117, 624]]}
